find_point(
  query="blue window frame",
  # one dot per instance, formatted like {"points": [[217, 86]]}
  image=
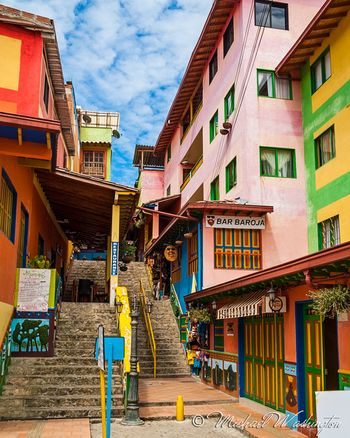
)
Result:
{"points": [[8, 206]]}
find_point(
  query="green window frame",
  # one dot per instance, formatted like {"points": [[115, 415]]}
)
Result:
{"points": [[168, 156], [215, 189], [325, 147], [229, 103], [8, 207], [269, 85], [321, 70], [329, 233], [213, 66], [214, 126], [277, 162], [231, 175]]}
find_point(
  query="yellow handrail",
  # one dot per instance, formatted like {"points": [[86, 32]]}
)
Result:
{"points": [[149, 328]]}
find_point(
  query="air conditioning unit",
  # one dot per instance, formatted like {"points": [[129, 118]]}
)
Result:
{"points": [[276, 305]]}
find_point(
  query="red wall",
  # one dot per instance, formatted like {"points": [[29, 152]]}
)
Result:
{"points": [[39, 222], [29, 89]]}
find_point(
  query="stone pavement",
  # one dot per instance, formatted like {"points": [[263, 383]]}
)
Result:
{"points": [[45, 429], [202, 403]]}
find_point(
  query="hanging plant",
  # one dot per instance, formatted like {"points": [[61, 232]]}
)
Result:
{"points": [[330, 302], [200, 315], [38, 262]]}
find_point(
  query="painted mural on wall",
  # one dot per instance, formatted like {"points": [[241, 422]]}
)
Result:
{"points": [[217, 371], [290, 370], [230, 375], [30, 335]]}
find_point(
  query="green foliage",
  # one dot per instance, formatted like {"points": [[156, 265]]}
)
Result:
{"points": [[329, 302], [38, 262], [127, 249], [200, 315]]}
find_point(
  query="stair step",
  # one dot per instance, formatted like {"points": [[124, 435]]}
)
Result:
{"points": [[87, 379], [67, 412], [59, 390]]}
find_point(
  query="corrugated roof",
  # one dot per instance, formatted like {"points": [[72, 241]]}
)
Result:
{"points": [[319, 28], [216, 20], [47, 28], [149, 159]]}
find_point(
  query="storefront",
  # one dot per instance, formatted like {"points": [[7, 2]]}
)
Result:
{"points": [[272, 323]]}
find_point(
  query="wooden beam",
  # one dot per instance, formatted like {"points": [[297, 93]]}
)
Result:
{"points": [[34, 163], [48, 140]]}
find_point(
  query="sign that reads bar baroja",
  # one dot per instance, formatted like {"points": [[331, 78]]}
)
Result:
{"points": [[240, 222]]}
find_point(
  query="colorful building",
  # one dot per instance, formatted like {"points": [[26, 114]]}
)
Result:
{"points": [[318, 62], [267, 325], [48, 208], [233, 145], [97, 129]]}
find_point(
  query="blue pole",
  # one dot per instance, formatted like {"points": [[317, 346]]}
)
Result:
{"points": [[109, 389]]}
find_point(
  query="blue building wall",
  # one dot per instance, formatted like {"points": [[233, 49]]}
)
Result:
{"points": [[184, 286]]}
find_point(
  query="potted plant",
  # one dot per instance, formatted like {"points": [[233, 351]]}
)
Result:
{"points": [[38, 262], [127, 251], [331, 302], [198, 315]]}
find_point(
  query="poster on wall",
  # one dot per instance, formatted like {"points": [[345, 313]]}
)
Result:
{"points": [[30, 336], [33, 290], [240, 222]]}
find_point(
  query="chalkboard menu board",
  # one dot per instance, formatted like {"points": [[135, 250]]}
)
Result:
{"points": [[33, 290]]}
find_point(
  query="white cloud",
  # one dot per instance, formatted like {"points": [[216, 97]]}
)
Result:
{"points": [[126, 56]]}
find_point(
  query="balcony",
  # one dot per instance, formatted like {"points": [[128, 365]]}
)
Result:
{"points": [[93, 169], [191, 173]]}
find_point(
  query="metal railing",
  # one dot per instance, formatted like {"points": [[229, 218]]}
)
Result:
{"points": [[192, 173], [93, 169], [149, 328]]}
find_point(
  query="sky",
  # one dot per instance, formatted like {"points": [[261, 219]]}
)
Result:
{"points": [[126, 56]]}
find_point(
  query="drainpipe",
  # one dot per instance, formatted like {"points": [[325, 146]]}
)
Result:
{"points": [[200, 256]]}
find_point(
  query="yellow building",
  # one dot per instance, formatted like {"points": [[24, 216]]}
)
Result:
{"points": [[320, 61]]}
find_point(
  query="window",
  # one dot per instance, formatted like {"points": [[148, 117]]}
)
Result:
{"points": [[41, 245], [237, 249], [215, 190], [8, 201], [277, 162], [23, 239], [231, 175], [218, 346], [169, 153], [93, 163], [193, 254], [168, 190], [271, 14], [329, 232], [228, 37], [325, 147], [213, 66], [192, 110], [214, 126], [46, 94], [229, 103], [271, 86], [320, 70]]}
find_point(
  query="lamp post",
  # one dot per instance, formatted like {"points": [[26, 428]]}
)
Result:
{"points": [[132, 417]]}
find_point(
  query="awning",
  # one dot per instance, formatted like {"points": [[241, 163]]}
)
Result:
{"points": [[244, 305], [82, 205]]}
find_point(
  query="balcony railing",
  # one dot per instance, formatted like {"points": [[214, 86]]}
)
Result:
{"points": [[192, 173], [93, 169]]}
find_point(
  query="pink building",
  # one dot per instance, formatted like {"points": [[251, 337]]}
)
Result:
{"points": [[233, 145]]}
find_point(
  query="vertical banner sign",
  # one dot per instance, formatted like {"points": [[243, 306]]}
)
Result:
{"points": [[114, 261]]}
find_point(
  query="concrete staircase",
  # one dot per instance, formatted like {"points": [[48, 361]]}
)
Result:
{"points": [[66, 385], [171, 359]]}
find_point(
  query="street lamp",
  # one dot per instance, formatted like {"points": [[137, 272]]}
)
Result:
{"points": [[119, 305], [132, 417], [213, 307]]}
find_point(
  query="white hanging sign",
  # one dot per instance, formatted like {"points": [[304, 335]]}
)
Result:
{"points": [[241, 222], [33, 290]]}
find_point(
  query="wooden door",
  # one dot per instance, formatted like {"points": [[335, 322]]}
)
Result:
{"points": [[313, 353], [264, 381]]}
